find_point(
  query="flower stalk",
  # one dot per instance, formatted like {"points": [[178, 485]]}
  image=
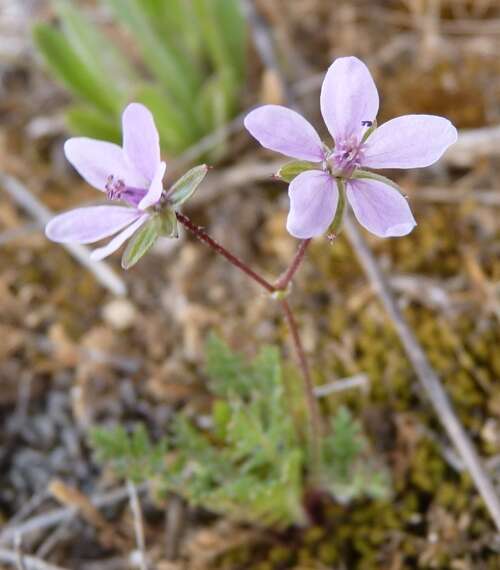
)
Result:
{"points": [[276, 290]]}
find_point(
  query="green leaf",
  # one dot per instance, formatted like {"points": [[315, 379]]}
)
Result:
{"points": [[292, 169], [186, 186], [88, 121], [177, 130], [213, 38], [133, 456], [233, 27], [141, 243], [174, 23], [216, 104], [175, 72], [67, 65], [95, 50]]}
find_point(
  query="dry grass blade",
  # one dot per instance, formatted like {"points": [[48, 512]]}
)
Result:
{"points": [[135, 507], [23, 197]]}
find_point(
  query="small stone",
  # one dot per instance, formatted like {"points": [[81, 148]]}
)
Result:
{"points": [[119, 314]]}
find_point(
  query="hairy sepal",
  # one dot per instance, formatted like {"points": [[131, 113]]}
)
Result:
{"points": [[186, 186], [292, 169]]}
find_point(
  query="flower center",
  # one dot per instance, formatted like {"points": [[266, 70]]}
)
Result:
{"points": [[346, 157], [116, 189]]}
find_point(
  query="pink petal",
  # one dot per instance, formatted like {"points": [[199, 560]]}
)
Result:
{"points": [[86, 225], [313, 202], [96, 161], [348, 98], [119, 240], [156, 188], [379, 208], [283, 130], [141, 141], [411, 141]]}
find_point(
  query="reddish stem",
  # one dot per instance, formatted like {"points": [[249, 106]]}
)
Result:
{"points": [[315, 427], [202, 235], [284, 280], [280, 285]]}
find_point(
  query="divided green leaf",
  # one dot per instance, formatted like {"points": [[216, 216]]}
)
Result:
{"points": [[251, 464]]}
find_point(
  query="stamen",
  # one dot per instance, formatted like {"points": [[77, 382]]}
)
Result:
{"points": [[367, 123], [114, 188]]}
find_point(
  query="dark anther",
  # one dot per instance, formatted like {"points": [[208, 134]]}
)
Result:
{"points": [[367, 123]]}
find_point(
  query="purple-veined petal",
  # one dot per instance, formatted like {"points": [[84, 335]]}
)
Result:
{"points": [[349, 97], [86, 225], [379, 208], [411, 141], [283, 130], [141, 141], [96, 161], [155, 189], [313, 202], [119, 240]]}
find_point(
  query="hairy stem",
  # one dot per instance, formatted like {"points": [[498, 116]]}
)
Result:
{"points": [[281, 284]]}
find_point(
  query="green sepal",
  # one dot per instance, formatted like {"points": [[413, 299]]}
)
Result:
{"points": [[360, 174], [369, 131], [185, 187], [336, 225], [141, 242], [292, 169], [168, 225]]}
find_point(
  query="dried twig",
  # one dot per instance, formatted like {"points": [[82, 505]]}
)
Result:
{"points": [[135, 507], [358, 381], [175, 522], [473, 144], [425, 373], [30, 562], [58, 516], [72, 497], [23, 197]]}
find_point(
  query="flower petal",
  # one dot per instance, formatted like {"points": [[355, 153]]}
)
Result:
{"points": [[379, 208], [96, 161], [86, 225], [119, 240], [283, 130], [141, 141], [411, 141], [313, 202], [348, 98], [155, 189]]}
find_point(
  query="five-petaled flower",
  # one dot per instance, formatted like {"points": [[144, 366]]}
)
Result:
{"points": [[349, 105], [132, 173]]}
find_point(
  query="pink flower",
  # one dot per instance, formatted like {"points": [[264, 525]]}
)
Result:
{"points": [[349, 105], [132, 173]]}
